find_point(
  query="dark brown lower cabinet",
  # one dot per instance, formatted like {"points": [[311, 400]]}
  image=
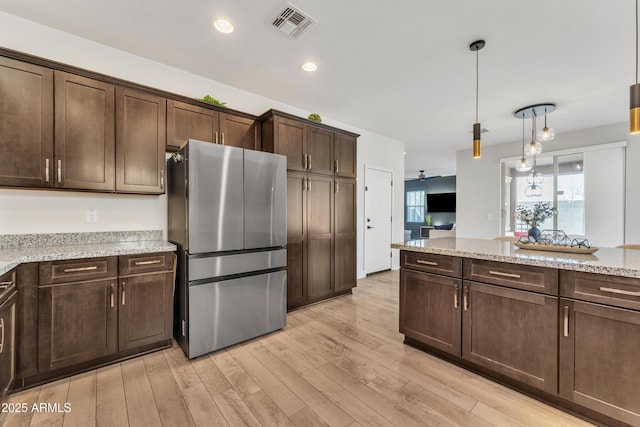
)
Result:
{"points": [[599, 358], [345, 234], [77, 322], [145, 312], [320, 266], [7, 343], [512, 332], [430, 310]]}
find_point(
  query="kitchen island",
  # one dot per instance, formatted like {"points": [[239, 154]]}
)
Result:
{"points": [[564, 328]]}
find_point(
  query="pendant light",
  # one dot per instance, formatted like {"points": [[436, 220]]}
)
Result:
{"points": [[421, 177], [534, 189], [546, 133], [475, 47], [634, 112], [534, 147], [524, 164]]}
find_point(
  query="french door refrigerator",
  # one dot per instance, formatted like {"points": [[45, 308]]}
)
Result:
{"points": [[227, 216]]}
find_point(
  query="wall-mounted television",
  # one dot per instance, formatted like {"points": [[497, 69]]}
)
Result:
{"points": [[441, 202]]}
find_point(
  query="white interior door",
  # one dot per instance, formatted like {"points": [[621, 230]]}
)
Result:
{"points": [[377, 216]]}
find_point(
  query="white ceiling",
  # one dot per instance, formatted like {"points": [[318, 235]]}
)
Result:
{"points": [[401, 69]]}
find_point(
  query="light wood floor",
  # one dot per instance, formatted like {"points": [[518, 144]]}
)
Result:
{"points": [[338, 363]]}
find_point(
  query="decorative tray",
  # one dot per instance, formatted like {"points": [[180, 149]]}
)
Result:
{"points": [[556, 248]]}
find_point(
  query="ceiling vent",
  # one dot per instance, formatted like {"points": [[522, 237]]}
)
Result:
{"points": [[293, 22]]}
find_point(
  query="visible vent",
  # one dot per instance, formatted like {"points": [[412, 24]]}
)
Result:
{"points": [[293, 22]]}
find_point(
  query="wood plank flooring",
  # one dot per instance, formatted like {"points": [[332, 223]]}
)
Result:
{"points": [[338, 363]]}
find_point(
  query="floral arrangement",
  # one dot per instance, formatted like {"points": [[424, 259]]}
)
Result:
{"points": [[540, 213]]}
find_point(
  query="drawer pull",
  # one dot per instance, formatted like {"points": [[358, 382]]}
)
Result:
{"points": [[5, 285], [124, 295], [46, 170], [620, 291], [420, 261], [455, 298], [566, 321], [465, 299], [155, 261], [76, 269], [501, 274], [112, 298]]}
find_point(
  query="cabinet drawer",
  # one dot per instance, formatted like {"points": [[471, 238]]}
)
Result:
{"points": [[77, 270], [525, 277], [431, 263], [611, 290], [143, 263]]}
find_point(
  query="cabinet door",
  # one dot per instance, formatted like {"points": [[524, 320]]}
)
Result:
{"points": [[7, 344], [512, 332], [296, 242], [430, 309], [27, 320], [345, 234], [290, 141], [84, 133], [140, 142], [186, 121], [345, 155], [77, 323], [239, 132], [146, 309], [26, 124], [599, 363], [320, 150], [320, 236]]}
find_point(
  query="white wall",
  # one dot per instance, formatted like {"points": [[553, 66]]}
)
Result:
{"points": [[478, 181], [33, 211]]}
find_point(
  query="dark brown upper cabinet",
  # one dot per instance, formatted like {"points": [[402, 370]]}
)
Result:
{"points": [[140, 142], [84, 133], [187, 121], [26, 124], [310, 147]]}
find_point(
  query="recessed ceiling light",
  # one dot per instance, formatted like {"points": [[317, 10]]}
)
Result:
{"points": [[223, 26], [309, 66]]}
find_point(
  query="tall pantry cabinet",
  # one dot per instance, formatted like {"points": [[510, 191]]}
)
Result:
{"points": [[321, 205]]}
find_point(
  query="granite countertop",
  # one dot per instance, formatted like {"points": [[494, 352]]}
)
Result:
{"points": [[612, 261], [17, 249]]}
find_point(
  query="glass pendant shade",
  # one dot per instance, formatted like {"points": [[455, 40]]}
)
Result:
{"points": [[533, 148], [524, 164], [533, 191], [546, 134]]}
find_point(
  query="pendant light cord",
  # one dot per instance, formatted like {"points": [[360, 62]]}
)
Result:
{"points": [[478, 79], [523, 135]]}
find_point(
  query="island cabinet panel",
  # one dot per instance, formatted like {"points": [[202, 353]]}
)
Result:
{"points": [[512, 332], [84, 133], [525, 277], [7, 332], [27, 321], [140, 142], [26, 124], [600, 343], [430, 310]]}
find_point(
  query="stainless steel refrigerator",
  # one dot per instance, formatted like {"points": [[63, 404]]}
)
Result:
{"points": [[227, 215]]}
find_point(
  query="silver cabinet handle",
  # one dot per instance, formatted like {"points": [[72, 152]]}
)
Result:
{"points": [[620, 292], [46, 170], [6, 285], [501, 274], [566, 321], [337, 188], [162, 179], [309, 161], [465, 299], [455, 298], [2, 336], [337, 167], [304, 184], [419, 261], [59, 171], [308, 184], [76, 269], [155, 261], [216, 141], [112, 297], [222, 138], [124, 295]]}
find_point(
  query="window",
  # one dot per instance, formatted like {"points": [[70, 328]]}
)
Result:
{"points": [[415, 206]]}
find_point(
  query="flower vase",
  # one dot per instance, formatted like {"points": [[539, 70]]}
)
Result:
{"points": [[534, 234]]}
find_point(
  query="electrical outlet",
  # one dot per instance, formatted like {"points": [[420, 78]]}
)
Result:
{"points": [[92, 216]]}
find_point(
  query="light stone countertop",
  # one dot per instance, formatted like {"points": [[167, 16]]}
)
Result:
{"points": [[611, 261], [51, 247]]}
